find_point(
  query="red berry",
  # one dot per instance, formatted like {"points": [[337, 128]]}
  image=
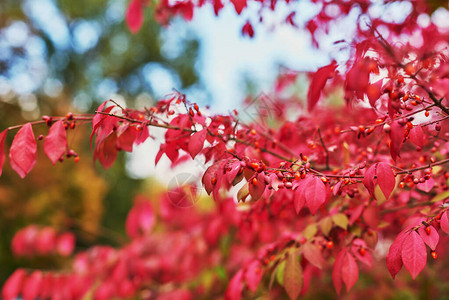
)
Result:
{"points": [[362, 251], [434, 255]]}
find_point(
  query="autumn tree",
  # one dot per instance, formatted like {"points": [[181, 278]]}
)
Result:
{"points": [[321, 191]]}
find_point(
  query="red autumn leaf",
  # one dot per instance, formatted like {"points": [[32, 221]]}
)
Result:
{"points": [[416, 136], [239, 5], [140, 219], [430, 239], [394, 256], [134, 15], [349, 271], [218, 5], [212, 177], [374, 91], [371, 215], [368, 180], [45, 241], [336, 188], [196, 142], [397, 137], [444, 222], [3, 135], [55, 143], [256, 190], [321, 76], [292, 276], [253, 275], [107, 151], [414, 254], [185, 9], [232, 169], [32, 285], [298, 199], [364, 257], [427, 185], [248, 29], [336, 271], [141, 136], [126, 135], [313, 254], [97, 120], [315, 194], [235, 287], [23, 151], [385, 179], [65, 244], [356, 213], [13, 285]]}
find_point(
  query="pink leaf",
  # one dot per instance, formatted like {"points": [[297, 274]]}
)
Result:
{"points": [[211, 176], [253, 275], [232, 169], [336, 188], [55, 143], [235, 287], [313, 254], [292, 276], [13, 285], [32, 286], [315, 193], [430, 239], [239, 5], [134, 15], [336, 271], [218, 5], [427, 185], [3, 135], [397, 137], [141, 218], [23, 151], [416, 136], [444, 222], [65, 244], [374, 91], [196, 142], [394, 256], [298, 199], [142, 135], [349, 271], [318, 82], [368, 180], [414, 254], [107, 151], [364, 257], [248, 29], [385, 178], [256, 190]]}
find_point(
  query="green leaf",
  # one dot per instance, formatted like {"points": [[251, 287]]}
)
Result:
{"points": [[280, 273], [379, 195], [243, 192], [440, 197], [293, 276], [341, 220], [310, 231], [326, 225]]}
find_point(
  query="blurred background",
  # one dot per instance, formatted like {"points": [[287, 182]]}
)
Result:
{"points": [[60, 56]]}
